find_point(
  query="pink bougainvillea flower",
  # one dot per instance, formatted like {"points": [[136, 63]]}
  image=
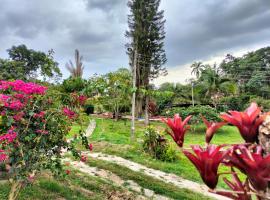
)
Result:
{"points": [[207, 161], [236, 185], [69, 113], [247, 122], [82, 99], [90, 147], [178, 128], [212, 127], [3, 156], [4, 98], [18, 116], [253, 164], [10, 136], [21, 86], [15, 105], [39, 115]]}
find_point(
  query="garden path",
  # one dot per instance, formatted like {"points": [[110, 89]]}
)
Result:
{"points": [[163, 176]]}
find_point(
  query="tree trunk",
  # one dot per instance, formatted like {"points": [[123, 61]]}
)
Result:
{"points": [[14, 190], [139, 105], [146, 120], [264, 141]]}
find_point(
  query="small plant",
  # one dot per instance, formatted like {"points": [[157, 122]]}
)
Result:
{"points": [[157, 146]]}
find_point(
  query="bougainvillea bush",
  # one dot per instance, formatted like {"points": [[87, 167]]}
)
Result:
{"points": [[33, 130], [247, 158]]}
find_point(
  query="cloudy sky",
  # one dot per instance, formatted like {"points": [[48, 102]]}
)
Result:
{"points": [[196, 30]]}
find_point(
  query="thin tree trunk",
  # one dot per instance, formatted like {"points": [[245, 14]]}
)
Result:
{"points": [[139, 105], [133, 109], [146, 120], [15, 190], [264, 141]]}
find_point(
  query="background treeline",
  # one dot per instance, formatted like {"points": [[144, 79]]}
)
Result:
{"points": [[231, 85]]}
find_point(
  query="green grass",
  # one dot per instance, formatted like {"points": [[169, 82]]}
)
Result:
{"points": [[114, 138], [76, 186], [159, 187]]}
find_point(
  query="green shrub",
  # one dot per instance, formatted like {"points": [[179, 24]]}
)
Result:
{"points": [[264, 103], [157, 146], [170, 154], [208, 112], [74, 85], [235, 102]]}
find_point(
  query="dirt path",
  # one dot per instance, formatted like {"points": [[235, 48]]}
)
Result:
{"points": [[144, 193], [163, 176]]}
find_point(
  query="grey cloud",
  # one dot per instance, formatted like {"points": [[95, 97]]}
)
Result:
{"points": [[211, 27], [195, 29], [105, 5]]}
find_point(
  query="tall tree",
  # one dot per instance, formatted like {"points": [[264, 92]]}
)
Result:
{"points": [[77, 69], [146, 34], [27, 64]]}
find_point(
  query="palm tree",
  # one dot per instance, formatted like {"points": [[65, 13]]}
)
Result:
{"points": [[215, 86], [197, 68], [77, 70]]}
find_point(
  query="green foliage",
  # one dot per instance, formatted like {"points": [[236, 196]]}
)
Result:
{"points": [[157, 146], [111, 91], [76, 84], [235, 102], [27, 64], [208, 112], [251, 71], [264, 103]]}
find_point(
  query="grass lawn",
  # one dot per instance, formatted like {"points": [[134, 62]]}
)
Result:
{"points": [[159, 187], [114, 138], [75, 186]]}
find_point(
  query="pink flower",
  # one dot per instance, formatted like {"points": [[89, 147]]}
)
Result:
{"points": [[82, 99], [39, 115], [212, 127], [67, 172], [83, 158], [247, 122], [253, 164], [21, 86], [15, 105], [178, 128], [10, 136], [3, 156], [69, 113], [90, 147], [18, 116], [4, 98], [207, 161]]}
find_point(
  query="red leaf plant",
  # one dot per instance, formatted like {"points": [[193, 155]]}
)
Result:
{"points": [[212, 127], [247, 122], [207, 161], [241, 191], [178, 128], [253, 164]]}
